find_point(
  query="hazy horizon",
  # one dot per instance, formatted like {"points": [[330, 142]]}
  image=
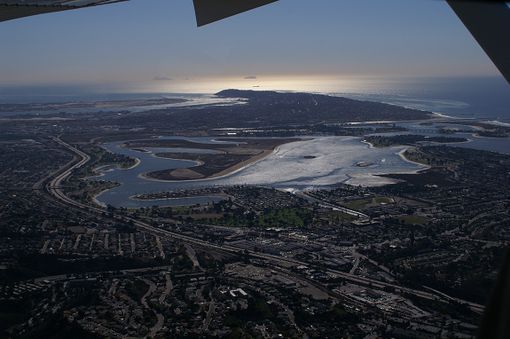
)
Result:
{"points": [[154, 46], [352, 84], [469, 97]]}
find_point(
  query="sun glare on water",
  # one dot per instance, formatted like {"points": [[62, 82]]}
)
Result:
{"points": [[322, 84]]}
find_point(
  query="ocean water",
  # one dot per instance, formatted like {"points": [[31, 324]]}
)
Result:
{"points": [[486, 98]]}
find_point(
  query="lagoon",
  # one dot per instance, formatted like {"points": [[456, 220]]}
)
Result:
{"points": [[311, 163]]}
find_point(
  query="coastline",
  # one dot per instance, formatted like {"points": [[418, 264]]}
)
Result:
{"points": [[370, 180], [242, 164], [100, 173], [379, 178], [96, 201], [370, 145], [401, 154], [249, 162], [137, 162], [217, 195], [224, 173], [446, 116]]}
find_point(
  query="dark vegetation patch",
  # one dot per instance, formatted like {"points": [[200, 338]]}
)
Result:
{"points": [[408, 139]]}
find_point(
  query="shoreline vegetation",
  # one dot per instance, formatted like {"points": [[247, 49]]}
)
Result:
{"points": [[408, 139], [174, 195], [428, 172], [227, 159], [406, 155]]}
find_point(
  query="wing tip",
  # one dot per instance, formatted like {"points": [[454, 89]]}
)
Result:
{"points": [[209, 11]]}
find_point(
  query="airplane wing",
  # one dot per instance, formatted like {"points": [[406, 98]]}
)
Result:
{"points": [[487, 20], [489, 23], [15, 9], [208, 11]]}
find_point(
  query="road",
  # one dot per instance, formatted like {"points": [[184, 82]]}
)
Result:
{"points": [[326, 204], [160, 319], [53, 187]]}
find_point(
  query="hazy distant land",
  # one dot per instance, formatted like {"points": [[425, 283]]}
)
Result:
{"points": [[101, 104]]}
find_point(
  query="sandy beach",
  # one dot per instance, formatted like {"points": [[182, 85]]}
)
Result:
{"points": [[402, 155]]}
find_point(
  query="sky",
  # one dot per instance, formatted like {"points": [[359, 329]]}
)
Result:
{"points": [[154, 45]]}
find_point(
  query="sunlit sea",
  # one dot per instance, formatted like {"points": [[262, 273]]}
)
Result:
{"points": [[486, 98]]}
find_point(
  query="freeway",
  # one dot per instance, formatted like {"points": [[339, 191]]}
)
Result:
{"points": [[53, 187], [326, 204]]}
